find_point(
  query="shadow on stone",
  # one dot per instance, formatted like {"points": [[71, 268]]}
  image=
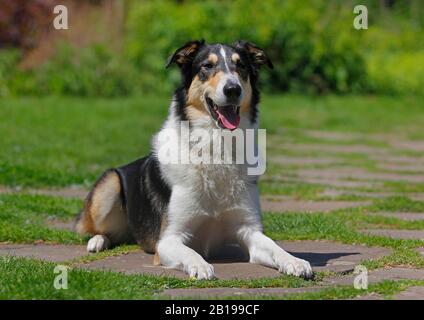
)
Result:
{"points": [[321, 259]]}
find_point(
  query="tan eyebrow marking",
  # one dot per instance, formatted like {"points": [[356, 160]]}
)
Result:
{"points": [[213, 58], [235, 57]]}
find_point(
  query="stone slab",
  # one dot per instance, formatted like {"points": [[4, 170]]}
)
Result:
{"points": [[228, 292], [396, 234], [48, 252], [408, 216], [358, 174], [322, 255], [308, 206], [343, 149], [301, 161], [70, 192], [412, 293], [378, 275], [371, 296]]}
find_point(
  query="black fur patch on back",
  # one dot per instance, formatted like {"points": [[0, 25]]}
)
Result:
{"points": [[145, 198]]}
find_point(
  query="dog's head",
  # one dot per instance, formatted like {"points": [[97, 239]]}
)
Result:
{"points": [[219, 80]]}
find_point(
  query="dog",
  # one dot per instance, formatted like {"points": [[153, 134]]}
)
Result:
{"points": [[185, 213]]}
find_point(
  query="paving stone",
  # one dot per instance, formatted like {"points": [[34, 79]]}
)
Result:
{"points": [[358, 174], [227, 292], [65, 192], [421, 250], [371, 296], [329, 182], [417, 197], [408, 216], [375, 195], [49, 252], [410, 145], [300, 161], [394, 159], [344, 149], [412, 293], [379, 275], [402, 167], [333, 135], [332, 256], [308, 206], [322, 255], [338, 183], [396, 234]]}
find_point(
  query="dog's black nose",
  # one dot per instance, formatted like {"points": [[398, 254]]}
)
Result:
{"points": [[232, 90]]}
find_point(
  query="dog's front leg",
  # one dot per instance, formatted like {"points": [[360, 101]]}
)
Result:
{"points": [[263, 250], [175, 254], [172, 247]]}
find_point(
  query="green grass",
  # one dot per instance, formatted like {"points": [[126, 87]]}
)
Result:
{"points": [[31, 279], [57, 142], [65, 141], [23, 218]]}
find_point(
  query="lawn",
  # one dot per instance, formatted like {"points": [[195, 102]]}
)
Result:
{"points": [[55, 143]]}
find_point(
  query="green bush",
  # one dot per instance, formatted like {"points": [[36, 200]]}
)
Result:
{"points": [[395, 60], [92, 71], [313, 46], [8, 62], [307, 53]]}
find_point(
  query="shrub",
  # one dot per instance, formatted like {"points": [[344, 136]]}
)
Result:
{"points": [[92, 71], [292, 32]]}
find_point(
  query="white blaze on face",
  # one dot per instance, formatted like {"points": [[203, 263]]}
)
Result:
{"points": [[219, 96], [222, 52]]}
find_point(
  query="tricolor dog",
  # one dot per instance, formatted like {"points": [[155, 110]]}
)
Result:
{"points": [[186, 213]]}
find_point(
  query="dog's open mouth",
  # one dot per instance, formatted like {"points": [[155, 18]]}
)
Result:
{"points": [[227, 117]]}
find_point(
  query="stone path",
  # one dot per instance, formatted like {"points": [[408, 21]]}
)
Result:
{"points": [[374, 276], [323, 256], [290, 205], [72, 192], [358, 174], [227, 292], [379, 275], [408, 216], [396, 234], [412, 293], [48, 252], [318, 164]]}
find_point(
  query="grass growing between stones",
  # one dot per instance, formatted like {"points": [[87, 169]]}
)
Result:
{"points": [[385, 288], [31, 279], [56, 142], [23, 278]]}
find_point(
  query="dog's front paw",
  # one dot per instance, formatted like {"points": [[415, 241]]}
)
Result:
{"points": [[98, 243], [201, 270], [295, 266]]}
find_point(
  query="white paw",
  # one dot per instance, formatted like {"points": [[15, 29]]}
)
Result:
{"points": [[295, 266], [98, 243], [200, 270]]}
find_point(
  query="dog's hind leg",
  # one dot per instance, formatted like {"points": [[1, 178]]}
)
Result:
{"points": [[103, 215]]}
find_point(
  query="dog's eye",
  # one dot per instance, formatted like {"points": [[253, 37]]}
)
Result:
{"points": [[207, 66]]}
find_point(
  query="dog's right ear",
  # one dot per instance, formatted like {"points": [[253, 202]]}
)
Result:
{"points": [[186, 53]]}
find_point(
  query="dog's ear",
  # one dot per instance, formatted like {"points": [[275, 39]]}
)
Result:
{"points": [[186, 53], [256, 55]]}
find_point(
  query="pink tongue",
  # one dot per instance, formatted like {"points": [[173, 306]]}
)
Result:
{"points": [[229, 119]]}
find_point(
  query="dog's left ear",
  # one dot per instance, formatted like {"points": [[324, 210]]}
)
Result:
{"points": [[257, 55], [186, 53]]}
